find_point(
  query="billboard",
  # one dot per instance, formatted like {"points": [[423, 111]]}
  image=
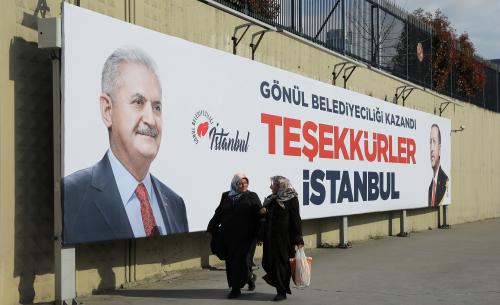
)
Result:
{"points": [[155, 121]]}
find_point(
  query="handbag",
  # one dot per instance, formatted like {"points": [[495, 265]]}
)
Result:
{"points": [[217, 244], [301, 267]]}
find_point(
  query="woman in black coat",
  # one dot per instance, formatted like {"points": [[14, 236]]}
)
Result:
{"points": [[238, 218], [282, 232]]}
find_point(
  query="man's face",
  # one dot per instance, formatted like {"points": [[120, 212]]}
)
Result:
{"points": [[134, 115], [435, 148]]}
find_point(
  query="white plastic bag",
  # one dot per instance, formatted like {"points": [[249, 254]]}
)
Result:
{"points": [[301, 269]]}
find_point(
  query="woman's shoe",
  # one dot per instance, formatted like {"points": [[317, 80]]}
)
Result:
{"points": [[234, 294], [251, 282], [279, 297]]}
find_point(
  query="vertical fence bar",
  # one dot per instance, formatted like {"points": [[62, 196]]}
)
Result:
{"points": [[498, 92], [484, 97], [407, 55], [343, 27], [372, 35], [377, 42], [300, 16], [432, 55], [451, 82]]}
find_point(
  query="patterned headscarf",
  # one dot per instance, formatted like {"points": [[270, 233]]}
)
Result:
{"points": [[285, 190], [234, 192]]}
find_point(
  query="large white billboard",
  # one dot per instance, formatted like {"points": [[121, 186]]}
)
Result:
{"points": [[214, 114]]}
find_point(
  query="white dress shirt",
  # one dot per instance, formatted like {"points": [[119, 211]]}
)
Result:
{"points": [[436, 176], [127, 184]]}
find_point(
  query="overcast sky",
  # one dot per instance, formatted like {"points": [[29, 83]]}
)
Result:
{"points": [[479, 18]]}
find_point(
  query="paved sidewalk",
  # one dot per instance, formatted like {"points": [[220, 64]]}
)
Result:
{"points": [[456, 266]]}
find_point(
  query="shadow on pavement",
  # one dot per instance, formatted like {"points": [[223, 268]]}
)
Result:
{"points": [[206, 294]]}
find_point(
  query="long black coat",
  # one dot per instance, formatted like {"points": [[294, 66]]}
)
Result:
{"points": [[282, 231], [238, 221]]}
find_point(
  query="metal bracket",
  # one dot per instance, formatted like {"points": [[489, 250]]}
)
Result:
{"points": [[346, 77], [42, 7], [444, 105], [403, 92], [236, 40], [347, 72], [336, 74], [253, 45]]}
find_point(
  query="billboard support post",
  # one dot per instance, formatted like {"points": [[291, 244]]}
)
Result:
{"points": [[49, 37], [344, 227], [445, 224], [403, 232]]}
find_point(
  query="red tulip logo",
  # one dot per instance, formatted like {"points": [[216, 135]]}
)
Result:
{"points": [[202, 129]]}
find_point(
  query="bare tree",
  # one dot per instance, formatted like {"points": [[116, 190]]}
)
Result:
{"points": [[373, 32]]}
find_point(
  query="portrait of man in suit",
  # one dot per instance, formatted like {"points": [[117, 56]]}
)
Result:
{"points": [[439, 182], [118, 198]]}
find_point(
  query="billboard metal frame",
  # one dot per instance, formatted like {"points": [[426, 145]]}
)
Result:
{"points": [[49, 37]]}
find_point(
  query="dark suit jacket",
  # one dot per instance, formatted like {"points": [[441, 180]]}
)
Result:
{"points": [[93, 209], [441, 186]]}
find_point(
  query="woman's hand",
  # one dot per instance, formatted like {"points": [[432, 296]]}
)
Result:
{"points": [[263, 211], [268, 199]]}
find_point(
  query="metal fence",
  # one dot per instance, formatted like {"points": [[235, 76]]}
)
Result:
{"points": [[374, 31]]}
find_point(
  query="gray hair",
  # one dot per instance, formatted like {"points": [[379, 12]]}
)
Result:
{"points": [[283, 182], [127, 54]]}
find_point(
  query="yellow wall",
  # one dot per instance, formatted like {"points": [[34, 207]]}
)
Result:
{"points": [[26, 220]]}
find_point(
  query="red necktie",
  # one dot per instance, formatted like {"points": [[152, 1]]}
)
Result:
{"points": [[148, 219], [433, 202]]}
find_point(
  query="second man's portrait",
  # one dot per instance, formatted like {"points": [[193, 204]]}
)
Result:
{"points": [[439, 183]]}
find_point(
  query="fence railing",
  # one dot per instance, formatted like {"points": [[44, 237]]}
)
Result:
{"points": [[373, 31]]}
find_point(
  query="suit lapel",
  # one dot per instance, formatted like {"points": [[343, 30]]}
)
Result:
{"points": [[439, 187], [108, 200], [442, 181], [165, 207], [430, 193]]}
